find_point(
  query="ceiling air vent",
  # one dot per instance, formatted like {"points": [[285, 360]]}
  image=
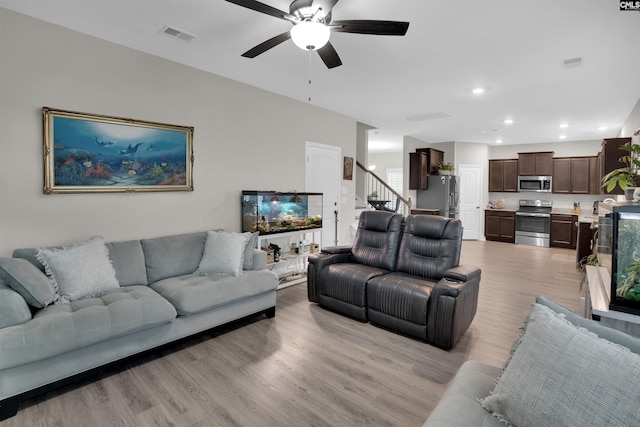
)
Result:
{"points": [[572, 62], [177, 33]]}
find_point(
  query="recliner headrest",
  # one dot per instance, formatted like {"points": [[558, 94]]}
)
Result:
{"points": [[376, 220]]}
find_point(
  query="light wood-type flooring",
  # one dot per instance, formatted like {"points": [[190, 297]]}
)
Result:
{"points": [[311, 367]]}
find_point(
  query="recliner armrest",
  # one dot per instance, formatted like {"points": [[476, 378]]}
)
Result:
{"points": [[461, 273], [336, 249]]}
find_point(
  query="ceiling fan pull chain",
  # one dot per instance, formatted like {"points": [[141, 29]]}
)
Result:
{"points": [[309, 72]]}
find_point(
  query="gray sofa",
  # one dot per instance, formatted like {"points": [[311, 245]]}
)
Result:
{"points": [[161, 299], [558, 400]]}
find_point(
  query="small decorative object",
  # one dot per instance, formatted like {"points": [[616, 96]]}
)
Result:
{"points": [[88, 153], [373, 195], [444, 168]]}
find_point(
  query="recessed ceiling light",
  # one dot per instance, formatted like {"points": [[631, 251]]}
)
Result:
{"points": [[564, 125], [508, 121], [498, 141], [602, 128], [478, 91], [562, 136]]}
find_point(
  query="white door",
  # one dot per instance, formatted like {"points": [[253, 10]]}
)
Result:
{"points": [[323, 172], [470, 200]]}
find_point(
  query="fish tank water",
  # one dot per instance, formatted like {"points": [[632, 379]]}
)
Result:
{"points": [[625, 259], [271, 212]]}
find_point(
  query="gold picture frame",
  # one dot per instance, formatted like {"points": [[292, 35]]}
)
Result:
{"points": [[91, 153]]}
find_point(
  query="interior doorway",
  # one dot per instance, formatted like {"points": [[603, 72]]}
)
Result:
{"points": [[323, 169], [471, 200]]}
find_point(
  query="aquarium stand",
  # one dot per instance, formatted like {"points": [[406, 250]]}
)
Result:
{"points": [[292, 267], [597, 303]]}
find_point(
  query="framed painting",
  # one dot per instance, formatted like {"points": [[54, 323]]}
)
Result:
{"points": [[88, 153], [347, 168]]}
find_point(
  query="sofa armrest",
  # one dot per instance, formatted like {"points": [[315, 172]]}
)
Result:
{"points": [[461, 273], [259, 259], [337, 250], [452, 306]]}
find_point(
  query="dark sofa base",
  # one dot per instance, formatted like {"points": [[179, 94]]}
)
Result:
{"points": [[10, 406]]}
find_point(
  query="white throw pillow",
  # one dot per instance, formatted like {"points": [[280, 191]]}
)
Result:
{"points": [[564, 375], [79, 271], [223, 253]]}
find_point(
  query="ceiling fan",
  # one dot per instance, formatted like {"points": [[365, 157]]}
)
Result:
{"points": [[312, 26]]}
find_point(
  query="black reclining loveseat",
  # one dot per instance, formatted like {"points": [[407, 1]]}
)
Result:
{"points": [[402, 275]]}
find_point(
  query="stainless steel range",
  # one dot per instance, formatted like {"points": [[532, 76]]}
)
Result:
{"points": [[533, 222]]}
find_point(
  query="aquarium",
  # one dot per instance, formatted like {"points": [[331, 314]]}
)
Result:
{"points": [[625, 259], [271, 212]]}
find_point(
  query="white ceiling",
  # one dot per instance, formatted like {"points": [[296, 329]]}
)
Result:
{"points": [[513, 48]]}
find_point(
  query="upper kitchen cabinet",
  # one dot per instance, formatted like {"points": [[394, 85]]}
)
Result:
{"points": [[503, 175], [575, 175], [610, 159], [423, 163], [418, 171], [535, 164]]}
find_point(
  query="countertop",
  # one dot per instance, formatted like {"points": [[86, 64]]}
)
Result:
{"points": [[585, 216]]}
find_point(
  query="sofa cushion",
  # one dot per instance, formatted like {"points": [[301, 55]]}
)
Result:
{"points": [[561, 375], [172, 256], [430, 246], [193, 293], [79, 271], [26, 279], [57, 329], [377, 239], [400, 295], [13, 308], [249, 251], [460, 406], [128, 262], [223, 253]]}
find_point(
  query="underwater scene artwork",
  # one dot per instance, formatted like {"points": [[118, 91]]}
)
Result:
{"points": [[88, 153]]}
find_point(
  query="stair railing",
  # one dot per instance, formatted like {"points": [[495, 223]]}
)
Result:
{"points": [[381, 196]]}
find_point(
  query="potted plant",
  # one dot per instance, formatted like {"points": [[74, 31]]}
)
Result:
{"points": [[444, 168], [373, 195], [627, 177]]}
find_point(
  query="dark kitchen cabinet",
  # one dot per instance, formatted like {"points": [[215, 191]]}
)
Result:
{"points": [[500, 226], [535, 164], [423, 163], [575, 175], [503, 175], [564, 232], [418, 171], [610, 159]]}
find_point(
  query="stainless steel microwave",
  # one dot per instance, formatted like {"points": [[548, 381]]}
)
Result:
{"points": [[538, 184]]}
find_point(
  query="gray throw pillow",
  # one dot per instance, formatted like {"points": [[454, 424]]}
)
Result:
{"points": [[563, 375], [79, 271], [249, 250], [223, 253], [25, 278]]}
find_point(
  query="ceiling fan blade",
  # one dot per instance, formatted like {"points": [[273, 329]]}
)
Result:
{"points": [[329, 56], [266, 45], [382, 28], [264, 8]]}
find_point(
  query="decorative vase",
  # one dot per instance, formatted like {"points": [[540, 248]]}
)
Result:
{"points": [[636, 194], [444, 172]]}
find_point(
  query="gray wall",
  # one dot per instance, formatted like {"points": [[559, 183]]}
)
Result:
{"points": [[245, 138]]}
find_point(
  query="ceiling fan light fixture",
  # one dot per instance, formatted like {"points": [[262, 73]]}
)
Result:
{"points": [[310, 35]]}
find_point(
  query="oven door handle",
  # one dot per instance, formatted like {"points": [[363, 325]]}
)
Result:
{"points": [[538, 215]]}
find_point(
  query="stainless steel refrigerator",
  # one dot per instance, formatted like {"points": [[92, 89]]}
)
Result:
{"points": [[441, 194]]}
